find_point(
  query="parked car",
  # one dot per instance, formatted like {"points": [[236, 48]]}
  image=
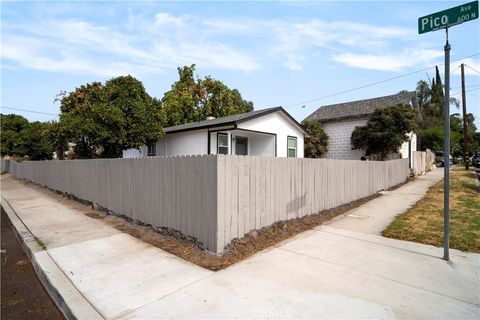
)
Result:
{"points": [[476, 160], [439, 159]]}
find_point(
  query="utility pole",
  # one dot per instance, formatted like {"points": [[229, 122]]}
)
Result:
{"points": [[446, 155], [432, 22], [465, 127]]}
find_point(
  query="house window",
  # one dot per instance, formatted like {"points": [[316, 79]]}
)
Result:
{"points": [[292, 147], [222, 143], [152, 150]]}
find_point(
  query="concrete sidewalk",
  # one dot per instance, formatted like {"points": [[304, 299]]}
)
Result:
{"points": [[375, 215], [104, 273], [326, 273]]}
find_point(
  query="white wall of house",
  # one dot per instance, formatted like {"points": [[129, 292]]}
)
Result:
{"points": [[176, 144], [405, 148], [133, 153], [258, 144], [269, 129], [282, 126], [339, 133], [183, 143]]}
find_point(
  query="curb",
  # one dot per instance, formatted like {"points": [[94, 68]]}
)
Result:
{"points": [[64, 294]]}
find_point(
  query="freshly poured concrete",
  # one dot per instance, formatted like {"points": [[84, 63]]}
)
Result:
{"points": [[328, 274], [119, 273], [375, 215], [111, 271], [323, 273]]}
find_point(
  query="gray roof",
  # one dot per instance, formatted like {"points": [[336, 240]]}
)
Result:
{"points": [[361, 108], [229, 120]]}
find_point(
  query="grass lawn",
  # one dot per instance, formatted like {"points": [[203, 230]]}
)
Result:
{"points": [[424, 221]]}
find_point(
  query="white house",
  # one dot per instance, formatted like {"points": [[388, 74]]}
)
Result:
{"points": [[268, 132], [339, 121]]}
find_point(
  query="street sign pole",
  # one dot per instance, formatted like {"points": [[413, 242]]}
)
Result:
{"points": [[446, 154], [432, 22]]}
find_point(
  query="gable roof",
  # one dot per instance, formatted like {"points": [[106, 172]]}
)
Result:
{"points": [[230, 120], [361, 108]]}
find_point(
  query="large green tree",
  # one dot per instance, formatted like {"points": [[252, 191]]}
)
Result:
{"points": [[104, 119], [12, 142], [23, 139], [386, 130], [316, 144], [430, 111], [36, 145], [56, 137], [433, 137], [193, 99]]}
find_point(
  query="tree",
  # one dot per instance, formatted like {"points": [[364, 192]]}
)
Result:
{"points": [[22, 138], [471, 131], [386, 130], [433, 137], [191, 99], [423, 93], [102, 120], [475, 143], [12, 140], [456, 132], [430, 109], [35, 144], [316, 144], [56, 136]]}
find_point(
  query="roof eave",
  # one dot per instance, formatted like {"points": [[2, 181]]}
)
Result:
{"points": [[203, 127], [236, 122], [276, 110]]}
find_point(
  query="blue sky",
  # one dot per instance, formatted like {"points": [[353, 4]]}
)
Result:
{"points": [[276, 53]]}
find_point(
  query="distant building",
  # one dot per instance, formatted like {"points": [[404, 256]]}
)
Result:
{"points": [[339, 121], [269, 132]]}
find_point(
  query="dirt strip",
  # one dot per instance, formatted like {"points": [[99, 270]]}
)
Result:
{"points": [[23, 296], [189, 249], [238, 250]]}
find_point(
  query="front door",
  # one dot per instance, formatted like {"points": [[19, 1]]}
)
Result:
{"points": [[241, 146]]}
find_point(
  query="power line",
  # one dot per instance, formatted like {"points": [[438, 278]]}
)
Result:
{"points": [[372, 84], [31, 111], [471, 89], [466, 87], [472, 68], [312, 100]]}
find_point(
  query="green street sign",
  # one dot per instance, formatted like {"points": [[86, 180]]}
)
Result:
{"points": [[448, 18]]}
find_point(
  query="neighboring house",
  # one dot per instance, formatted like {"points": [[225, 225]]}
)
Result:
{"points": [[268, 132], [339, 121]]}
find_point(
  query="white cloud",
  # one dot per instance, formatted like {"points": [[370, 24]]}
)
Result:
{"points": [[153, 43], [389, 62], [76, 46], [296, 40], [207, 55], [228, 26], [67, 62], [163, 19], [292, 42]]}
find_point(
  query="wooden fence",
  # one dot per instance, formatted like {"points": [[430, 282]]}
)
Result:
{"points": [[214, 198], [422, 162], [177, 192], [254, 192]]}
